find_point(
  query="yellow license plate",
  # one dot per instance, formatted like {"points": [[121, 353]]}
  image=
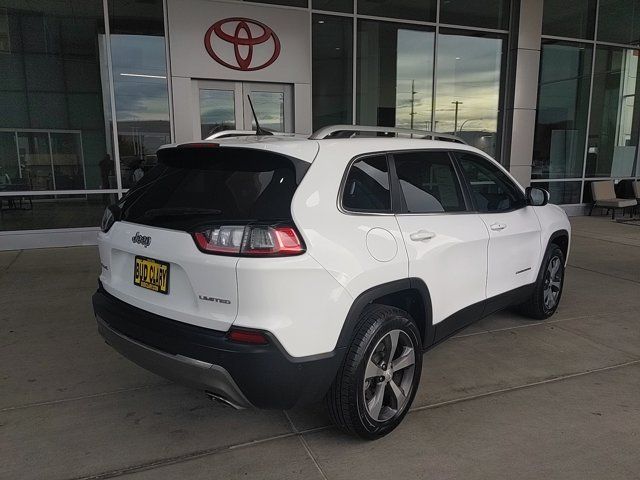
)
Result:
{"points": [[151, 274]]}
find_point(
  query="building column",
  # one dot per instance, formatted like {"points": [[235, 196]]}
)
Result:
{"points": [[522, 111]]}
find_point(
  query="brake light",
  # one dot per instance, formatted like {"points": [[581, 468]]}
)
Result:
{"points": [[265, 240], [247, 336], [250, 240]]}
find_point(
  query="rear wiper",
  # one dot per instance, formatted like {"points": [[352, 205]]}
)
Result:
{"points": [[174, 211]]}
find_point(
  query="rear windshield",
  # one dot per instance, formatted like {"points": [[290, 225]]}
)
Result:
{"points": [[195, 186]]}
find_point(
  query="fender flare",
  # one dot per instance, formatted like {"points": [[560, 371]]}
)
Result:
{"points": [[368, 296], [557, 234]]}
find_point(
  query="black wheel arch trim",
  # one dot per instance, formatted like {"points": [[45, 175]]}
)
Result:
{"points": [[555, 235], [558, 234], [370, 295]]}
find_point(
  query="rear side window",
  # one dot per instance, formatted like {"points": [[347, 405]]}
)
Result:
{"points": [[491, 189], [367, 186], [429, 182], [192, 186]]}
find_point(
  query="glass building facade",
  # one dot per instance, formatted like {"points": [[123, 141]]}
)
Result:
{"points": [[86, 91], [67, 70], [588, 121], [425, 65]]}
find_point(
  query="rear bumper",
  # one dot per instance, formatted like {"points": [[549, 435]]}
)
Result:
{"points": [[180, 369], [262, 376]]}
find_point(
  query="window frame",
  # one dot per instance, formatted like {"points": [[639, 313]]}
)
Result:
{"points": [[393, 193], [403, 210], [455, 153], [398, 203]]}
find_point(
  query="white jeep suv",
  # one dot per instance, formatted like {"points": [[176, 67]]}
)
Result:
{"points": [[273, 271]]}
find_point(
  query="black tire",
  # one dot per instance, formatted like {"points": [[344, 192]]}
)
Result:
{"points": [[346, 400], [536, 307]]}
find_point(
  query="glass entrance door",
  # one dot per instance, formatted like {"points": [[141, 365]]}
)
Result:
{"points": [[220, 107], [225, 106]]}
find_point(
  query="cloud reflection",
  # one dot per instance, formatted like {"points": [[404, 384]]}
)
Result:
{"points": [[468, 72], [141, 94]]}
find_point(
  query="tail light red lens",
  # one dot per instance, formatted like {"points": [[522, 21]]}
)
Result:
{"points": [[251, 337], [265, 240], [250, 240]]}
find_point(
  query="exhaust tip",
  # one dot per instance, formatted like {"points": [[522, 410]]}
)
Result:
{"points": [[223, 400]]}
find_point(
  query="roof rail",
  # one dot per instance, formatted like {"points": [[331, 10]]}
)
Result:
{"points": [[241, 133], [230, 133], [347, 131]]}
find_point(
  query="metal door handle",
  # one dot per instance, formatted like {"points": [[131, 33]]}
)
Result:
{"points": [[421, 235], [498, 226]]}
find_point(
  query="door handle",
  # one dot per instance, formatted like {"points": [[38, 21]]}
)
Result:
{"points": [[498, 226], [421, 235]]}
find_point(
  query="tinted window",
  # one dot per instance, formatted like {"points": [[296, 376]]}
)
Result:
{"points": [[394, 74], [476, 13], [491, 189], [410, 9], [563, 105], [198, 186], [468, 78], [140, 85], [619, 21], [569, 18], [333, 5], [615, 113], [367, 186], [429, 182], [332, 70]]}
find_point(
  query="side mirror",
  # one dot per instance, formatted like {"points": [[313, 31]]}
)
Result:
{"points": [[537, 197]]}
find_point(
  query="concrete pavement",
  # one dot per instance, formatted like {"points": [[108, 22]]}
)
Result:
{"points": [[506, 397]]}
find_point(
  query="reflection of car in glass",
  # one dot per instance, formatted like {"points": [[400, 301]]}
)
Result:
{"points": [[271, 271]]}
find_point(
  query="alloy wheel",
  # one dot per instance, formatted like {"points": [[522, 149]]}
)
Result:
{"points": [[388, 378], [552, 282]]}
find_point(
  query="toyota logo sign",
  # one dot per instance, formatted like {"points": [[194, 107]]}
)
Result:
{"points": [[255, 45]]}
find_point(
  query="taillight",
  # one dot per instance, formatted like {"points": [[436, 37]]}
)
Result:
{"points": [[250, 240], [111, 215], [247, 336], [266, 240], [226, 239]]}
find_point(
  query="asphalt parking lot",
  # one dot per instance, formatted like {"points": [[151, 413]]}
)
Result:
{"points": [[505, 398]]}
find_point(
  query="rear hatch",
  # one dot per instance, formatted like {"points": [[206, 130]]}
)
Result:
{"points": [[179, 233]]}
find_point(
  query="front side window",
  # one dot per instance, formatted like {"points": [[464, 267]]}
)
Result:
{"points": [[367, 186], [428, 182], [492, 190]]}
